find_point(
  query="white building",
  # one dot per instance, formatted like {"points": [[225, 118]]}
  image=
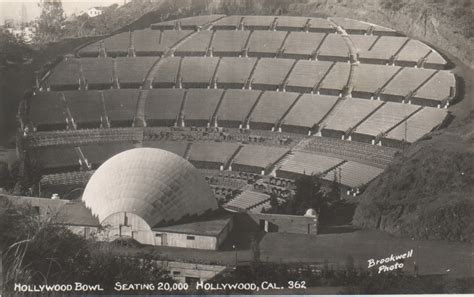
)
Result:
{"points": [[95, 11]]}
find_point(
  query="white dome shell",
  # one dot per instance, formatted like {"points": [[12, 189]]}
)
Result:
{"points": [[154, 184]]}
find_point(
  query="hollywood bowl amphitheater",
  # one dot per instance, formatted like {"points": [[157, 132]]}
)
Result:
{"points": [[251, 102]]}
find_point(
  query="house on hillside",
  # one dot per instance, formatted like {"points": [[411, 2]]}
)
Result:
{"points": [[95, 11]]}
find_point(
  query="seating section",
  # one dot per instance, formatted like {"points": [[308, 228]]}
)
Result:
{"points": [[54, 157], [348, 113], [198, 71], [374, 155], [131, 72], [200, 105], [258, 22], [212, 152], [85, 107], [229, 42], [231, 22], [384, 48], [235, 107], [334, 48], [307, 75], [302, 44], [47, 109], [163, 106], [418, 125], [115, 45], [96, 154], [320, 25], [147, 42], [336, 79], [257, 157], [308, 111], [352, 26], [303, 163], [439, 88], [167, 73], [189, 23], [389, 115], [120, 105], [176, 147], [266, 43], [170, 38], [363, 43], [79, 178], [66, 74], [370, 78], [234, 72], [98, 72], [406, 82], [413, 52], [196, 45], [271, 107], [270, 73], [354, 174], [289, 23], [248, 199]]}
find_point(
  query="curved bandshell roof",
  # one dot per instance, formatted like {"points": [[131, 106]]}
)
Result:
{"points": [[154, 184]]}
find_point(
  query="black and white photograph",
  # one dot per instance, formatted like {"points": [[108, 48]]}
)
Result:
{"points": [[236, 147]]}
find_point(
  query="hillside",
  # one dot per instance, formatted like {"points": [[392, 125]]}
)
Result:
{"points": [[427, 192]]}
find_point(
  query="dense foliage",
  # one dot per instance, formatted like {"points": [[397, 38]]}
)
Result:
{"points": [[37, 251]]}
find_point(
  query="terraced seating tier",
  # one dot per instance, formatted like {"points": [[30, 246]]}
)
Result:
{"points": [[176, 147], [115, 45], [86, 108], [188, 23], [348, 113], [334, 48], [289, 23], [370, 78], [66, 178], [234, 72], [235, 107], [306, 75], [354, 174], [412, 52], [385, 118], [417, 125], [147, 42], [383, 50], [302, 44], [97, 154], [266, 43], [131, 72], [55, 157], [270, 108], [198, 71], [255, 158], [163, 106], [258, 22], [270, 73], [352, 26], [302, 163], [47, 109], [248, 199], [212, 152], [167, 72], [363, 42], [200, 105], [228, 22], [374, 155], [98, 72], [196, 45], [407, 81], [336, 79], [308, 111], [229, 42], [440, 87], [66, 74], [120, 105]]}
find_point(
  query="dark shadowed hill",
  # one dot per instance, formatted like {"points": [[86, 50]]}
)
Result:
{"points": [[428, 192]]}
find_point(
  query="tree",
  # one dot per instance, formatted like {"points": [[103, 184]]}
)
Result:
{"points": [[50, 23]]}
